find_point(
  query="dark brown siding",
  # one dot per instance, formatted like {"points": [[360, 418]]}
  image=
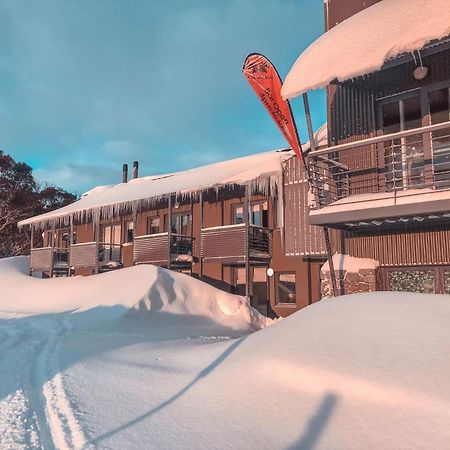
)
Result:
{"points": [[301, 238], [337, 11], [402, 248]]}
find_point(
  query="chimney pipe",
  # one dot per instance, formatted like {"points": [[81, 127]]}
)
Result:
{"points": [[135, 169], [125, 173]]}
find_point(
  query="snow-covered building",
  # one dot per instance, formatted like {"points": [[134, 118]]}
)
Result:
{"points": [[226, 227], [383, 181]]}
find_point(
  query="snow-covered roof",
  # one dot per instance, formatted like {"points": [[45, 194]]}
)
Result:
{"points": [[364, 42], [261, 171]]}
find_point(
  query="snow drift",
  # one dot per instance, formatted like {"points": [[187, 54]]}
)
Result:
{"points": [[143, 291]]}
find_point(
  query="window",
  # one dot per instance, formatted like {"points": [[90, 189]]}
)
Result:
{"points": [[285, 288], [439, 101], [404, 158], [153, 225], [111, 234], [129, 231], [259, 214], [238, 214], [181, 224]]}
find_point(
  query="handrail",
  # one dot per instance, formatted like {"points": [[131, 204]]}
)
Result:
{"points": [[378, 139]]}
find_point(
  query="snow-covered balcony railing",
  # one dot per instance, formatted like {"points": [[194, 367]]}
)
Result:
{"points": [[155, 249], [390, 168], [49, 259], [234, 243]]}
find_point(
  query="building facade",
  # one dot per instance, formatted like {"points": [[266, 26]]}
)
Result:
{"points": [[383, 182], [223, 224]]}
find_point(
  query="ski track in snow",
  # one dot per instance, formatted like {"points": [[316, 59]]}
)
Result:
{"points": [[35, 412]]}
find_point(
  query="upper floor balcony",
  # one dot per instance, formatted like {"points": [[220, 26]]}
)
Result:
{"points": [[398, 177]]}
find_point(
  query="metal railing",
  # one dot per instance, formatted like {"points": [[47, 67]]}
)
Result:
{"points": [[109, 253], [408, 160], [181, 244], [61, 256], [259, 239]]}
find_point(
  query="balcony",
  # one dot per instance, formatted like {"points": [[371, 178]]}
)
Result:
{"points": [[49, 260], [232, 243], [401, 176], [95, 256], [155, 249]]}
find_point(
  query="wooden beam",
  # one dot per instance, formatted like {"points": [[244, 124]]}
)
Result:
{"points": [[169, 231], [247, 246], [201, 230]]}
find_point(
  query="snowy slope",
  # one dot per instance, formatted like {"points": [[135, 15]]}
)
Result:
{"points": [[359, 372]]}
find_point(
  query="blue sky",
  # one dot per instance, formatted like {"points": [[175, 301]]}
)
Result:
{"points": [[87, 85]]}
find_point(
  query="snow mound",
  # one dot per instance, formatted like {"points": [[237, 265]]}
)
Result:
{"points": [[350, 263], [141, 291]]}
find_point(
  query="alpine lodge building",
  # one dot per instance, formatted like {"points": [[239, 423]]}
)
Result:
{"points": [[379, 181]]}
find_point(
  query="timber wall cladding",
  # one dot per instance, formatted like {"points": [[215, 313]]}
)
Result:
{"points": [[300, 238], [84, 255], [402, 248], [41, 259], [151, 248]]}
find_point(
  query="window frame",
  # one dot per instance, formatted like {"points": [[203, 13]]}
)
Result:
{"points": [[149, 219], [277, 282]]}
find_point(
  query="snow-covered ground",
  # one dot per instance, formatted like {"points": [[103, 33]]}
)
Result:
{"points": [[146, 358]]}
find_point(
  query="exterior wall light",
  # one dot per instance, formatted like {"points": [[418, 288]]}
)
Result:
{"points": [[420, 73]]}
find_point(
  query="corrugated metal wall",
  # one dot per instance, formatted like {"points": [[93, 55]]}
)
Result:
{"points": [[352, 105], [402, 248], [300, 238], [337, 11]]}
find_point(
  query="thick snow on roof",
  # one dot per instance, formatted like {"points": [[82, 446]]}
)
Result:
{"points": [[260, 171], [364, 42]]}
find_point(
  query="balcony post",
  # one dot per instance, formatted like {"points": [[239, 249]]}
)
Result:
{"points": [[53, 250], [325, 229], [70, 242], [201, 229], [247, 246], [134, 231], [31, 245], [169, 232], [96, 240]]}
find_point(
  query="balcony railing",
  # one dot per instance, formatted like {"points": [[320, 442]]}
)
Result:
{"points": [[48, 259], [231, 243], [155, 249], [95, 256], [411, 160]]}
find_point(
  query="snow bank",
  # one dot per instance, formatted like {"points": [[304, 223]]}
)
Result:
{"points": [[359, 372], [350, 263], [364, 42], [141, 290]]}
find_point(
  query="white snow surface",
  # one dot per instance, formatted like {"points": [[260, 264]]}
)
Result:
{"points": [[364, 42], [350, 263], [358, 372]]}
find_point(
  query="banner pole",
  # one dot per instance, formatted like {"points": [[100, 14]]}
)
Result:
{"points": [[326, 231]]}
